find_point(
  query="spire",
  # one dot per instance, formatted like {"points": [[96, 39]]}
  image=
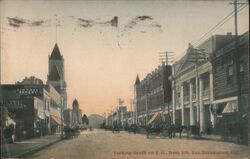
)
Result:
{"points": [[137, 80], [54, 74], [75, 103], [56, 55]]}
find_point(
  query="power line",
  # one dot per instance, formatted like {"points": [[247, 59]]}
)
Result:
{"points": [[218, 25]]}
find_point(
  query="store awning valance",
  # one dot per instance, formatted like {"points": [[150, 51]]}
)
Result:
{"points": [[56, 120], [231, 107], [157, 117]]}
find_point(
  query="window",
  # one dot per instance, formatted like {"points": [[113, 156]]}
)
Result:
{"points": [[241, 71], [230, 74]]}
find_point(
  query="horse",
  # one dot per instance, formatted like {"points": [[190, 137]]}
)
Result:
{"points": [[235, 131], [178, 129]]}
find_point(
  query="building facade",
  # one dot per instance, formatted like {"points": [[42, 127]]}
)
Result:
{"points": [[76, 114], [193, 85], [153, 94], [36, 107], [192, 93], [118, 115], [55, 110], [225, 85], [29, 107]]}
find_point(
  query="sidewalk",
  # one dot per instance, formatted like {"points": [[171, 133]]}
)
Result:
{"points": [[203, 137], [22, 148], [184, 135]]}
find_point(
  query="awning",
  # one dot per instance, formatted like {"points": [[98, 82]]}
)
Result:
{"points": [[229, 99], [231, 107], [40, 115], [157, 116], [56, 120], [141, 116]]}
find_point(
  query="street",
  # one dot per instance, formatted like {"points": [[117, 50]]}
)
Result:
{"points": [[100, 144]]}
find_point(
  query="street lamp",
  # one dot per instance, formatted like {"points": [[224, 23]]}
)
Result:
{"points": [[61, 117]]}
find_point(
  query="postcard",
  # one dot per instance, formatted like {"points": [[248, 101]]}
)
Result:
{"points": [[123, 79]]}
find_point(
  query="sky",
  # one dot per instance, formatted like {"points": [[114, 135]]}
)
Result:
{"points": [[105, 44]]}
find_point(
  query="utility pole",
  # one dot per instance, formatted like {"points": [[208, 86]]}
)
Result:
{"points": [[61, 117], [236, 56], [146, 95], [168, 58], [146, 91], [131, 103], [111, 108], [197, 56]]}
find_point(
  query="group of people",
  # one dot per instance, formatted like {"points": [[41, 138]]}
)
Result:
{"points": [[71, 132]]}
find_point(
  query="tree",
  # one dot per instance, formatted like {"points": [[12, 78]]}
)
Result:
{"points": [[85, 119]]}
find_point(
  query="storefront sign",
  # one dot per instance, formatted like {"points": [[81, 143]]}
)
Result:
{"points": [[30, 91]]}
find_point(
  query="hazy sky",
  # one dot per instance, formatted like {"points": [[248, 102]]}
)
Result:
{"points": [[101, 60]]}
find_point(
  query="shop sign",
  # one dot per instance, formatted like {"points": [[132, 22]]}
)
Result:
{"points": [[30, 91]]}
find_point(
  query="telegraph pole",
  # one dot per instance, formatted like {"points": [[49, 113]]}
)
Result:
{"points": [[236, 56], [197, 56], [62, 129], [146, 91], [146, 95], [168, 58], [111, 108]]}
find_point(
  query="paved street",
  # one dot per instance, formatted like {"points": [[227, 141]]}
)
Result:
{"points": [[100, 144]]}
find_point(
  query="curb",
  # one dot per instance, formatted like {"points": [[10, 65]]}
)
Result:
{"points": [[36, 149]]}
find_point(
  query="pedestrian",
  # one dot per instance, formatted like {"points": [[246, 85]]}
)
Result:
{"points": [[148, 128]]}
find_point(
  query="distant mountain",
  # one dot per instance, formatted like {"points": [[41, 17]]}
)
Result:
{"points": [[95, 120]]}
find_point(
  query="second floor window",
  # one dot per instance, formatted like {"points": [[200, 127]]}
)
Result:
{"points": [[242, 71], [230, 74]]}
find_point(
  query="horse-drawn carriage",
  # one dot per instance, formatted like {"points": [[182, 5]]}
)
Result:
{"points": [[161, 125], [158, 125], [115, 128], [71, 132], [164, 130]]}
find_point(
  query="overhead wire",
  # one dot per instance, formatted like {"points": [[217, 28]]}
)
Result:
{"points": [[219, 25]]}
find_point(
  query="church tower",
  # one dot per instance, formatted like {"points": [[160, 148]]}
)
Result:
{"points": [[56, 76]]}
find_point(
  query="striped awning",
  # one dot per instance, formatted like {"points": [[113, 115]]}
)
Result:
{"points": [[157, 116], [231, 107], [56, 120]]}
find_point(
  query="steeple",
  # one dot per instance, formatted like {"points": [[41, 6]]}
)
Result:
{"points": [[56, 55], [75, 103], [54, 75], [137, 81]]}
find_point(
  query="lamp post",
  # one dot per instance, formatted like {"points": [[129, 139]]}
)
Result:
{"points": [[61, 117], [146, 109]]}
